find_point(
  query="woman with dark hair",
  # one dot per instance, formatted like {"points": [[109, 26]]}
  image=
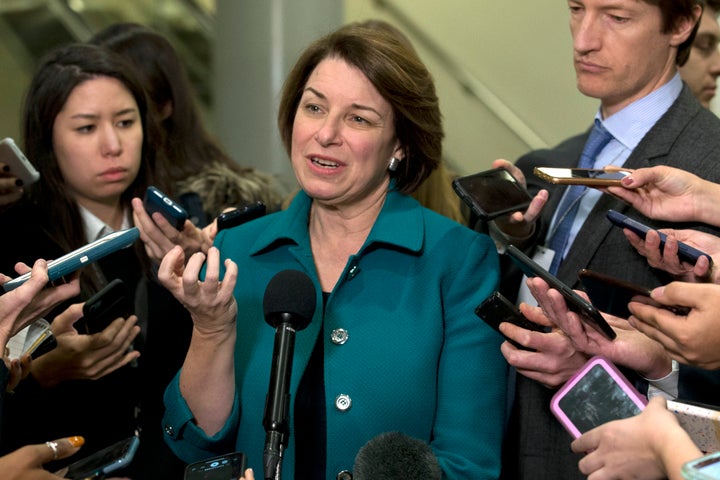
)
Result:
{"points": [[393, 344], [87, 130], [196, 164]]}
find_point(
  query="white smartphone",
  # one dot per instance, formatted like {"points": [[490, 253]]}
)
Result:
{"points": [[703, 468], [15, 159], [598, 393], [81, 257]]}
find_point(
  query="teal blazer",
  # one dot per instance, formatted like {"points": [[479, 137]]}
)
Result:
{"points": [[416, 358]]}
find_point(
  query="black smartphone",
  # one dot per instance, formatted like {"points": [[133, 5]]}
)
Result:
{"points": [[492, 193], [591, 177], [157, 201], [104, 461], [241, 215], [612, 295], [99, 311], [497, 309], [686, 253], [225, 467], [17, 162], [81, 257], [575, 302]]}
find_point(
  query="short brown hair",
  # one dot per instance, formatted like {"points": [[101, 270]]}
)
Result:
{"points": [[672, 12], [389, 61]]}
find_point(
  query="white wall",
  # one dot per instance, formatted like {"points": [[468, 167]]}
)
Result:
{"points": [[520, 51]]}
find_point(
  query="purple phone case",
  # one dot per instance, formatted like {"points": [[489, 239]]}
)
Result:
{"points": [[596, 394]]}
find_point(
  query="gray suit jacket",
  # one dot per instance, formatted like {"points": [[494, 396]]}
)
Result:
{"points": [[687, 137]]}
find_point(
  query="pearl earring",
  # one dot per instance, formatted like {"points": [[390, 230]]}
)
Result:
{"points": [[394, 162]]}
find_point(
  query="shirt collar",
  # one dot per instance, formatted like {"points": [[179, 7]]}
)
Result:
{"points": [[629, 125], [400, 223], [96, 228]]}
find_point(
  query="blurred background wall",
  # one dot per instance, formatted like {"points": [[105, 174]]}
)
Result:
{"points": [[503, 69]]}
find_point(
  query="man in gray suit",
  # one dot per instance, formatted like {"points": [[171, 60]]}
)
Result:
{"points": [[626, 54]]}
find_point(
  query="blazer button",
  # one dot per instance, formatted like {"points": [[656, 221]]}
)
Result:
{"points": [[339, 336], [343, 402], [352, 273], [169, 431], [344, 475]]}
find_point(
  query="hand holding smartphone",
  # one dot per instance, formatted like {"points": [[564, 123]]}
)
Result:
{"points": [[598, 393], [15, 159], [686, 253], [587, 312], [497, 309], [107, 305], [492, 193], [81, 257], [157, 201], [590, 177]]}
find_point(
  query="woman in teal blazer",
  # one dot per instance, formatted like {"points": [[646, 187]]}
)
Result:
{"points": [[394, 344]]}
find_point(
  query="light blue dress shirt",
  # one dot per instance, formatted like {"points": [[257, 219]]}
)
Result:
{"points": [[628, 127]]}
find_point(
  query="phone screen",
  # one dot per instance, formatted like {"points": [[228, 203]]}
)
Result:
{"points": [[224, 467], [596, 395], [492, 193]]}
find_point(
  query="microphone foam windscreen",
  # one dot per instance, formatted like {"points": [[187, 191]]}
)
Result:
{"points": [[290, 296], [394, 455]]}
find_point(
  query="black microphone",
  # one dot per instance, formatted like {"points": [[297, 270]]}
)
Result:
{"points": [[289, 305], [393, 455]]}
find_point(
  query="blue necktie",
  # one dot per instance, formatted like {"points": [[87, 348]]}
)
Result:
{"points": [[598, 139]]}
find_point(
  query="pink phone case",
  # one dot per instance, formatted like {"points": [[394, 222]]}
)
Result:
{"points": [[598, 393]]}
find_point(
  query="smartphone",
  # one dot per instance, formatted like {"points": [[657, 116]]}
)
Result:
{"points": [[598, 393], [225, 467], [700, 421], [703, 468], [241, 215], [81, 257], [492, 193], [612, 295], [105, 461], [35, 339], [99, 311], [497, 309], [686, 253], [20, 166], [157, 201], [591, 177], [587, 312]]}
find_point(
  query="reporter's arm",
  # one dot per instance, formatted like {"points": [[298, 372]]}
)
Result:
{"points": [[26, 463]]}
